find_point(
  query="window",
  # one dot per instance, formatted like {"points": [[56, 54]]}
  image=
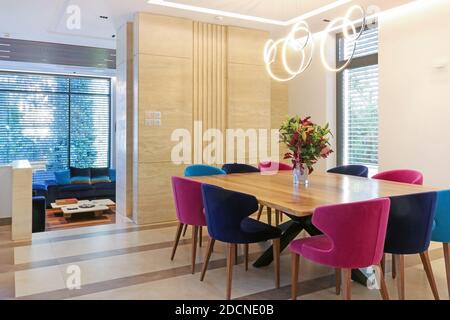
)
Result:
{"points": [[357, 100], [60, 120]]}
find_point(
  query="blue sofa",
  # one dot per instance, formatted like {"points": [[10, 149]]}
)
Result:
{"points": [[80, 191]]}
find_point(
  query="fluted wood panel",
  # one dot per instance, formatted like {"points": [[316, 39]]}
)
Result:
{"points": [[210, 76]]}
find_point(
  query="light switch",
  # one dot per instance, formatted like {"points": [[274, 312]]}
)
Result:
{"points": [[153, 118]]}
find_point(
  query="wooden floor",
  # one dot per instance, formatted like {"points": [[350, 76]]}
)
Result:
{"points": [[56, 221]]}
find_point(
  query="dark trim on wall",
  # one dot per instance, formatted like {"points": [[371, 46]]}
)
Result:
{"points": [[5, 221], [56, 53]]}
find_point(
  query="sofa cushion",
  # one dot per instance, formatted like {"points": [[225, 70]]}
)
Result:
{"points": [[77, 172], [97, 180], [105, 185], [99, 172], [80, 180], [62, 177], [76, 187]]}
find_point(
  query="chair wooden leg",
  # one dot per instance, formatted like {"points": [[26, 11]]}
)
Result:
{"points": [[294, 279], [383, 263], [277, 218], [209, 250], [347, 283], [429, 271], [261, 208], [281, 216], [447, 264], [230, 263], [269, 215], [276, 260], [194, 247], [246, 256], [394, 271], [400, 270], [200, 236], [185, 229], [177, 240], [236, 254], [338, 281], [383, 288]]}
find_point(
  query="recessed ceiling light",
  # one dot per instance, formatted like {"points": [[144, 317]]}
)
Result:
{"points": [[5, 51], [220, 18], [5, 57], [221, 13]]}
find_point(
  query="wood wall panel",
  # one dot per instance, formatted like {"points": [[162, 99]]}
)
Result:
{"points": [[165, 84], [155, 202], [246, 45], [249, 86], [210, 77], [164, 36], [163, 54]]}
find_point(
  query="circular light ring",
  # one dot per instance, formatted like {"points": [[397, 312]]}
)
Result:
{"points": [[345, 22], [271, 48], [301, 26], [348, 16]]}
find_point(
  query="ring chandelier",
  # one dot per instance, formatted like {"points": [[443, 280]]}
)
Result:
{"points": [[304, 46]]}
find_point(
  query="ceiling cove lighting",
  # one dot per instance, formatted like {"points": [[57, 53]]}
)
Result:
{"points": [[220, 13], [300, 45]]}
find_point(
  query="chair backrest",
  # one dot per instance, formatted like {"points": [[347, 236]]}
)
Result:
{"points": [[352, 170], [267, 166], [441, 227], [404, 176], [225, 210], [188, 201], [231, 168], [199, 170], [410, 223], [357, 231]]}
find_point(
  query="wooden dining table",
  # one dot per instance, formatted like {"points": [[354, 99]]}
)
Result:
{"points": [[277, 191]]}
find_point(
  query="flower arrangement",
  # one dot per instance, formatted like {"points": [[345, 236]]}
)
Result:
{"points": [[307, 142]]}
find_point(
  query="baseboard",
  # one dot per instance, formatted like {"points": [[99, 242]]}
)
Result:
{"points": [[5, 221]]}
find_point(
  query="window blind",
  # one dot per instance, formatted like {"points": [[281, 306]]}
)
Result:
{"points": [[58, 120], [359, 100]]}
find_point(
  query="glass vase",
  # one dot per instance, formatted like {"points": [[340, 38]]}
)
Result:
{"points": [[300, 175]]}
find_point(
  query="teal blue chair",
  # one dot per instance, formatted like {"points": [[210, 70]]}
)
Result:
{"points": [[441, 228], [199, 170]]}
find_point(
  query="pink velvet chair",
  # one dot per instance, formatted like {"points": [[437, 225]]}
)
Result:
{"points": [[402, 176], [272, 166], [189, 207], [354, 236]]}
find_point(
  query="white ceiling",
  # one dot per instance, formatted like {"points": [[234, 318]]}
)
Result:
{"points": [[45, 20]]}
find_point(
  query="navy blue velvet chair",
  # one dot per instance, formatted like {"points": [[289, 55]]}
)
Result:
{"points": [[409, 232], [232, 168], [227, 217], [352, 170]]}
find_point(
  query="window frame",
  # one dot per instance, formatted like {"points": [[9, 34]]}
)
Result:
{"points": [[357, 62], [69, 93]]}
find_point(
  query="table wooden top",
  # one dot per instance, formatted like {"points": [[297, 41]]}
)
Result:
{"points": [[278, 192]]}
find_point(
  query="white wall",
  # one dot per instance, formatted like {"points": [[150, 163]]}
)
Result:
{"points": [[414, 94], [313, 93]]}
